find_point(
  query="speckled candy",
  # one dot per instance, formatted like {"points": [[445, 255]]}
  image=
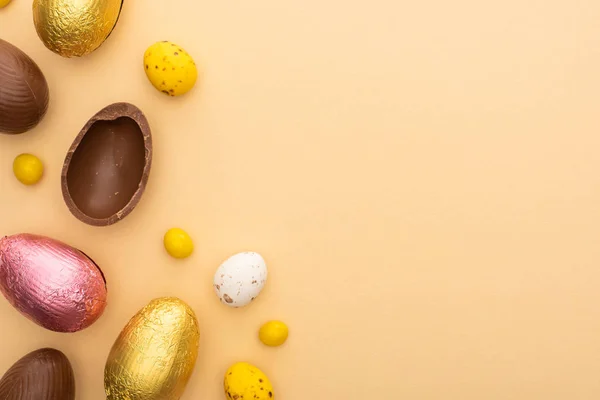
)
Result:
{"points": [[170, 68], [246, 381], [240, 279]]}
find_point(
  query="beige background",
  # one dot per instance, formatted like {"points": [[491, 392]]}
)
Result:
{"points": [[422, 178]]}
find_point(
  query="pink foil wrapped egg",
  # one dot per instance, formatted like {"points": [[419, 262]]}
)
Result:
{"points": [[53, 284]]}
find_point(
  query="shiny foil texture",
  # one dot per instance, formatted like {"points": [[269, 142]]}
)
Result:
{"points": [[154, 356], [44, 374], [53, 284], [74, 28]]}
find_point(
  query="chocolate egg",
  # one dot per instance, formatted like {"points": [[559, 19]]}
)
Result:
{"points": [[74, 28], [154, 356], [43, 374], [51, 283], [107, 167], [24, 91]]}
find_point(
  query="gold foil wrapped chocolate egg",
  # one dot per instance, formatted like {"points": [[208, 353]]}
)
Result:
{"points": [[154, 356], [74, 28]]}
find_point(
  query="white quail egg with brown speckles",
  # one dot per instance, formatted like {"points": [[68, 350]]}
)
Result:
{"points": [[240, 279]]}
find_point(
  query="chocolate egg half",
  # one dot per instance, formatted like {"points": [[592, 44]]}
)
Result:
{"points": [[24, 91], [74, 28], [154, 356], [107, 167], [53, 284], [44, 374]]}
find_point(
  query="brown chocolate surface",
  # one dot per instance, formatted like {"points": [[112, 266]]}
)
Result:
{"points": [[107, 167], [24, 91], [44, 374]]}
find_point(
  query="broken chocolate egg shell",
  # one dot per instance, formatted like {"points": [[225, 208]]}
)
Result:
{"points": [[106, 169], [42, 374], [24, 93]]}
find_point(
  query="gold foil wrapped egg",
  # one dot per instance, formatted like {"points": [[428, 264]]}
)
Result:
{"points": [[154, 356], [74, 28]]}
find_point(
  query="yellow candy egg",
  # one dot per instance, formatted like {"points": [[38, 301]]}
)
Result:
{"points": [[273, 333], [4, 3], [28, 169], [245, 381], [170, 68], [178, 243]]}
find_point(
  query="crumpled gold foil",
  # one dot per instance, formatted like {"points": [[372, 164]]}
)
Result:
{"points": [[73, 28], [154, 356]]}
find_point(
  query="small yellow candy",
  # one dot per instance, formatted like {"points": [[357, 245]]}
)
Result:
{"points": [[178, 243], [28, 169], [170, 69], [273, 333], [4, 3]]}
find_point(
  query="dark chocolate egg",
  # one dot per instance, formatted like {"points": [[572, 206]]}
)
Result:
{"points": [[24, 91], [43, 374], [51, 283], [107, 167]]}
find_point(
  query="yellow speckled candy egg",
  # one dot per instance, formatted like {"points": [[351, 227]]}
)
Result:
{"points": [[170, 68], [245, 381]]}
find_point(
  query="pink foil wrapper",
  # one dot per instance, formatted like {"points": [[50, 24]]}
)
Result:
{"points": [[51, 283]]}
